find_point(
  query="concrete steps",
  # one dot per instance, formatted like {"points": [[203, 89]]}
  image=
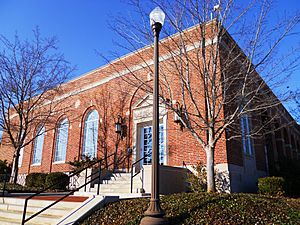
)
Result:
{"points": [[11, 211], [117, 184]]}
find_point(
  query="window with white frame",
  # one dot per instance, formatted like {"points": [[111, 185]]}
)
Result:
{"points": [[61, 141], [21, 153], [246, 138], [146, 144], [90, 137], [38, 145], [20, 160]]}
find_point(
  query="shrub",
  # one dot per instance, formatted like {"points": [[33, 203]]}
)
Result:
{"points": [[271, 186], [11, 187], [5, 171], [197, 181], [36, 180], [60, 179], [3, 166]]}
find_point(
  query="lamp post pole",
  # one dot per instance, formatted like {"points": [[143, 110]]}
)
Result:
{"points": [[154, 214]]}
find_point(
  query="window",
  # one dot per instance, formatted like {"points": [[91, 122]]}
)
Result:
{"points": [[61, 141], [245, 128], [21, 153], [20, 160], [146, 144], [38, 145], [90, 134]]}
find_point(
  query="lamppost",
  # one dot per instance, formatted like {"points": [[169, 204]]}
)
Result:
{"points": [[154, 214]]}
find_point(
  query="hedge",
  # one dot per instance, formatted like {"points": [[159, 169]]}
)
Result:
{"points": [[5, 171], [36, 180], [43, 180], [274, 186], [60, 179]]}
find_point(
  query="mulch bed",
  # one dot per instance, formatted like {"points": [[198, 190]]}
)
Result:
{"points": [[55, 197]]}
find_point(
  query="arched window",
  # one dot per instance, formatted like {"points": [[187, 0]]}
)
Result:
{"points": [[90, 134], [61, 141], [38, 145]]}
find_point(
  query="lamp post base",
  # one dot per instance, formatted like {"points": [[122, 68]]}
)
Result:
{"points": [[151, 220], [154, 215]]}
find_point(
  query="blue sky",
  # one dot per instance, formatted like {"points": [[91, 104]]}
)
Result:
{"points": [[81, 26]]}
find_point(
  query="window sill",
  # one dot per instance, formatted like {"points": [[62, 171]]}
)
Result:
{"points": [[36, 164], [59, 162]]}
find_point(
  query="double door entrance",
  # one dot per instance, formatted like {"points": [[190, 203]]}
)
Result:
{"points": [[146, 144]]}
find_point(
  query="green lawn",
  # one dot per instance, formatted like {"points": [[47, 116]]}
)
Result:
{"points": [[202, 208]]}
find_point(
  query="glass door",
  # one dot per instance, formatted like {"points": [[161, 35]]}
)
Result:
{"points": [[146, 144]]}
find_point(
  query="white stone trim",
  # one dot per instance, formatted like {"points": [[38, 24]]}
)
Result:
{"points": [[142, 114], [58, 162]]}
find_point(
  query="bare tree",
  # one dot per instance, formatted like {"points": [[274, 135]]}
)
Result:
{"points": [[294, 104], [212, 77], [31, 74]]}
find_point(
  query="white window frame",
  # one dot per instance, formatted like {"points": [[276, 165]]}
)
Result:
{"points": [[61, 141], [91, 127], [20, 160], [38, 146], [21, 154], [246, 138]]}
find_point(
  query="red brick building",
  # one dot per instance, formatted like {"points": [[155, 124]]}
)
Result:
{"points": [[95, 100]]}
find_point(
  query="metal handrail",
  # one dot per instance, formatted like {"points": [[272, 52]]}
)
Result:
{"points": [[133, 175], [184, 164], [24, 220]]}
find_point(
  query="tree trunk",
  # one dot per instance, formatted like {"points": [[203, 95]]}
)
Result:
{"points": [[211, 186], [15, 168]]}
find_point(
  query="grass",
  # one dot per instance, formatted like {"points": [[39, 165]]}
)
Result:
{"points": [[203, 208]]}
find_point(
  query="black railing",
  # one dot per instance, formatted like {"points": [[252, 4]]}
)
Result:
{"points": [[133, 175], [184, 165], [99, 162]]}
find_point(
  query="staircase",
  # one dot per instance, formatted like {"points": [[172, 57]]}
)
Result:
{"points": [[117, 184], [11, 211]]}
